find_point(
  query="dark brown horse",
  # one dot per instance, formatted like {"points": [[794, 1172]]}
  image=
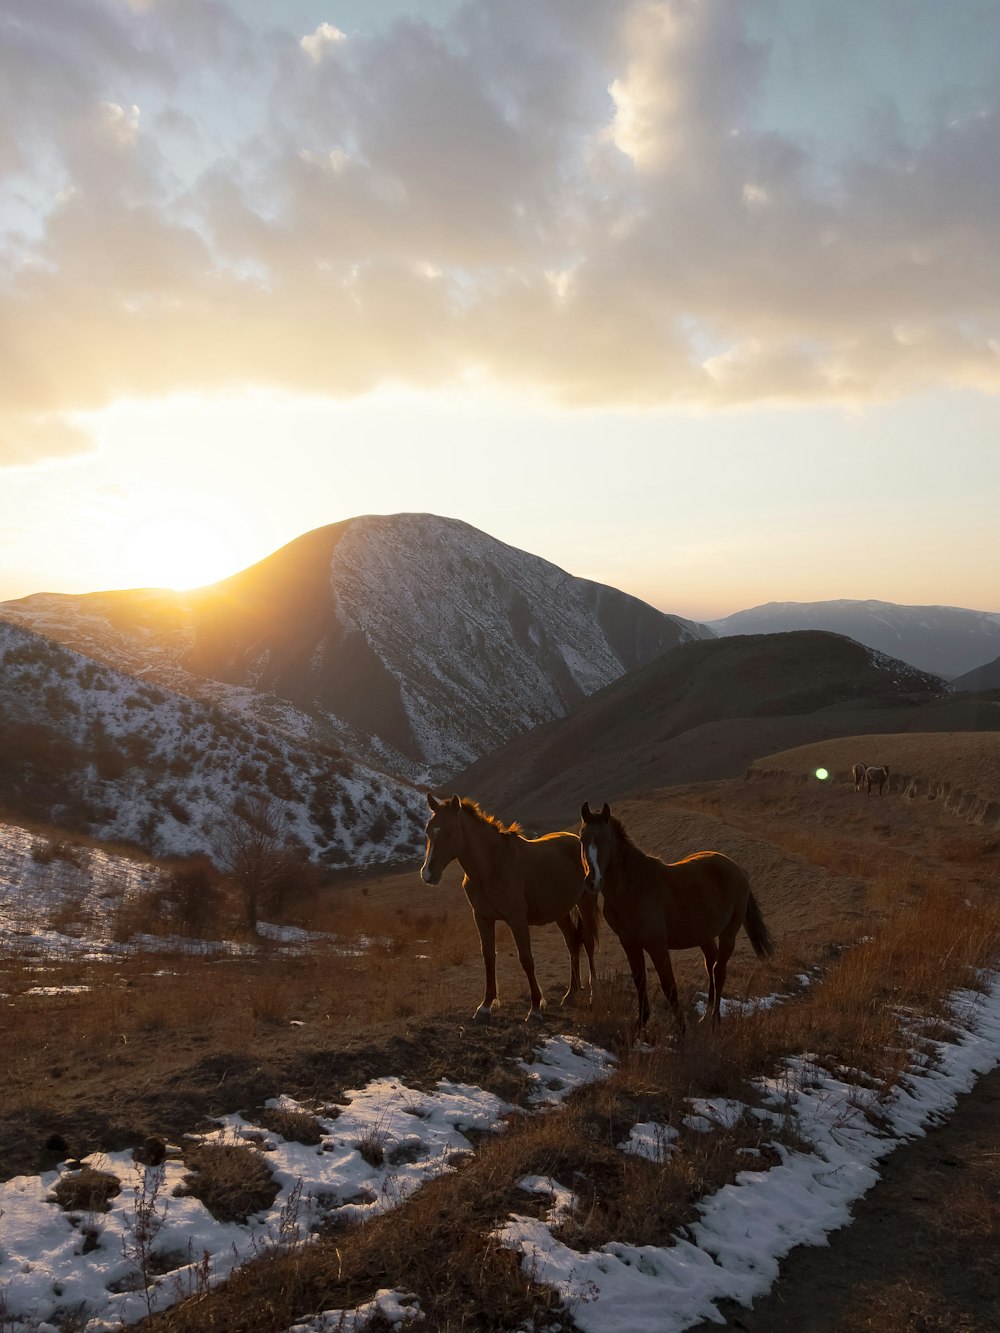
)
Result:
{"points": [[653, 907], [523, 881], [877, 777]]}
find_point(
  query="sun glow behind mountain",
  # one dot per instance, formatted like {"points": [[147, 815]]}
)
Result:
{"points": [[176, 552]]}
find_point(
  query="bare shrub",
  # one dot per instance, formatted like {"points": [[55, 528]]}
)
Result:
{"points": [[192, 895], [55, 849], [254, 851]]}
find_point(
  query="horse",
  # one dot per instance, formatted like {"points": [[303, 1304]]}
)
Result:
{"points": [[522, 881], [858, 774], [877, 777], [653, 907]]}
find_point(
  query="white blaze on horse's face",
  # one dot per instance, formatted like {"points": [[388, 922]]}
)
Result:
{"points": [[595, 865]]}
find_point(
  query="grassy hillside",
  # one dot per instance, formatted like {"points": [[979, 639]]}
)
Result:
{"points": [[705, 710]]}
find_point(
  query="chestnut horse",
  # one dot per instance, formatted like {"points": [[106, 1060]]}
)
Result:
{"points": [[653, 907], [523, 881]]}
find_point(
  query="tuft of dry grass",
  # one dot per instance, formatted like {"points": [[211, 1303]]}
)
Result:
{"points": [[232, 1180], [86, 1190], [294, 1126]]}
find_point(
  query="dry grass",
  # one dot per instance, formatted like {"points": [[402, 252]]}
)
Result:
{"points": [[232, 1180], [919, 929], [293, 1125], [86, 1190], [439, 1244]]}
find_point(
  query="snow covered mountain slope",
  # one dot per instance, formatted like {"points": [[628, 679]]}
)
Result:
{"points": [[86, 747], [413, 642], [945, 640]]}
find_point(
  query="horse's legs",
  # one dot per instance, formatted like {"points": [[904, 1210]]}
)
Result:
{"points": [[637, 965], [523, 941], [711, 953], [572, 931], [589, 920], [487, 937], [660, 955], [727, 943]]}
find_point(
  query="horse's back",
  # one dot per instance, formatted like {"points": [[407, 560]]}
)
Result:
{"points": [[551, 875], [551, 848], [700, 895], [714, 865]]}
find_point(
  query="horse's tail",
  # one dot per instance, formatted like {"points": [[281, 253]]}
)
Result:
{"points": [[757, 932], [594, 916]]}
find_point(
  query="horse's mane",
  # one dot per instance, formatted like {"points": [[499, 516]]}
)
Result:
{"points": [[623, 836], [472, 808], [635, 863]]}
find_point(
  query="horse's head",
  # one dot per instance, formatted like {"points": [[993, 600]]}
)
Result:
{"points": [[444, 837], [596, 835]]}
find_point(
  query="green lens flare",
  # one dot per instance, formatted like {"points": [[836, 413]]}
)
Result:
{"points": [[822, 774]]}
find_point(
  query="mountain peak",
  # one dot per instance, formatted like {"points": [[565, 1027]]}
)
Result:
{"points": [[418, 642]]}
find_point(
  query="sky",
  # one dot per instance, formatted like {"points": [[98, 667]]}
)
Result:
{"points": [[698, 299]]}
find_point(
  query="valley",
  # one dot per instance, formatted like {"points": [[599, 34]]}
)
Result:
{"points": [[146, 1003]]}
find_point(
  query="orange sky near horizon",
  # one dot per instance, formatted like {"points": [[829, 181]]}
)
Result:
{"points": [[683, 511]]}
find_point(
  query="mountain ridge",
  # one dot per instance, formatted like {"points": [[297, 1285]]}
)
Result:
{"points": [[944, 640], [700, 712], [416, 643]]}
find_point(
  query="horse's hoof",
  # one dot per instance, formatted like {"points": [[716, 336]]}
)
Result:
{"points": [[572, 997], [484, 1014], [535, 1012]]}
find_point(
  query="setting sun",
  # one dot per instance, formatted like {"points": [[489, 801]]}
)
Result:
{"points": [[176, 552]]}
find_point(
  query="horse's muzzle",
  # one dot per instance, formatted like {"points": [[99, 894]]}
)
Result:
{"points": [[428, 875]]}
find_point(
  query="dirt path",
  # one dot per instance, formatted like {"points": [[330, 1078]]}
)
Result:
{"points": [[923, 1251]]}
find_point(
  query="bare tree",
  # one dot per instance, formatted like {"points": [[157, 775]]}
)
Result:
{"points": [[252, 848]]}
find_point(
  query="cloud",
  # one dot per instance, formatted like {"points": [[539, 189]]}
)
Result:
{"points": [[576, 196], [317, 44], [25, 437]]}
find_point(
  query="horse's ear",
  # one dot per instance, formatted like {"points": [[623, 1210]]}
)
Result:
{"points": [[585, 812], [432, 801], [456, 803], [605, 812]]}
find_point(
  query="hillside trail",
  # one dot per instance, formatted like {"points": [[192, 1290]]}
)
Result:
{"points": [[923, 1251]]}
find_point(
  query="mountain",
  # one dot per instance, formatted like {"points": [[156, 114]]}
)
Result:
{"points": [[89, 748], [414, 643], [985, 677], [706, 710], [946, 640]]}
